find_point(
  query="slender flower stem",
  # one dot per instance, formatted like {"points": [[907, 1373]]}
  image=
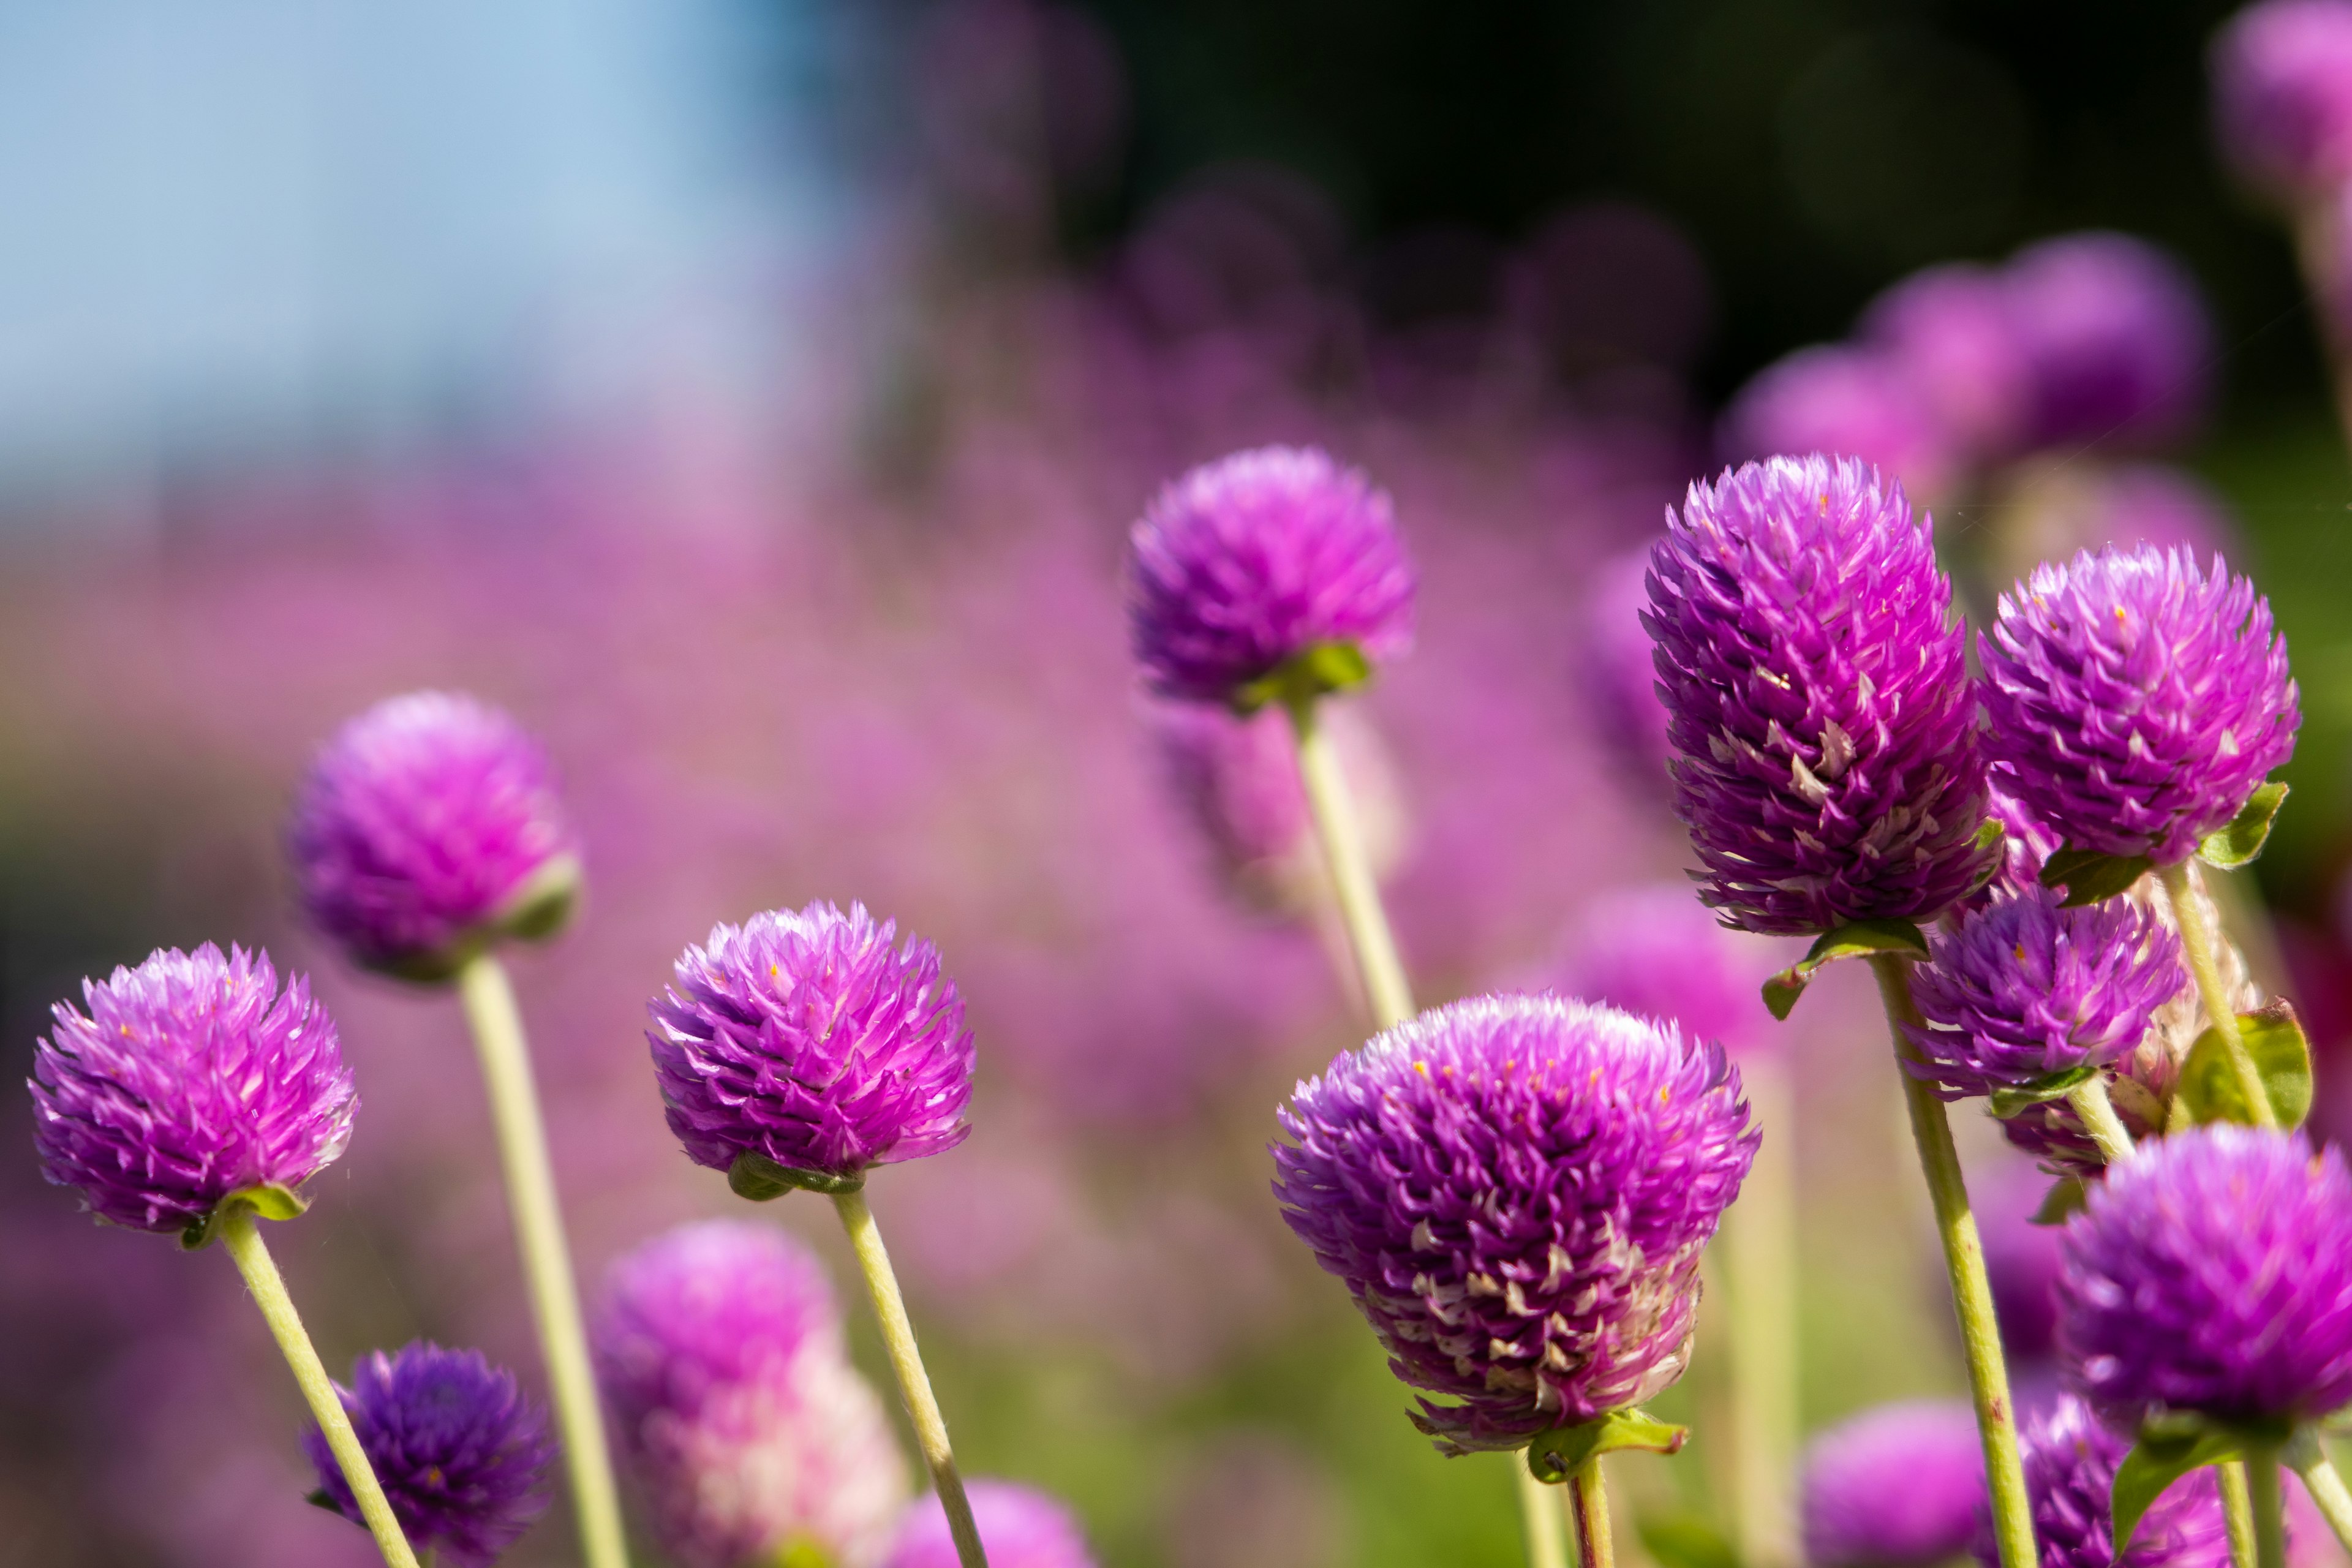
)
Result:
{"points": [[2237, 1513], [2099, 1119], [2198, 940], [1358, 892], [2313, 249], [2269, 1500], [914, 1383], [238, 1234], [1939, 1162], [1760, 1242], [1588, 1495], [2326, 1487], [1540, 1507], [496, 1024]]}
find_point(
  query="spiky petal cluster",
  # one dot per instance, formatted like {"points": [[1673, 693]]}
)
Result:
{"points": [[1820, 702], [1516, 1190], [806, 1037], [2212, 1272], [2282, 95], [1019, 1526], [190, 1078], [1896, 1487], [2070, 1471], [428, 823], [2026, 988], [2136, 701], [1843, 397], [462, 1454], [1244, 564], [1655, 952], [2114, 340], [743, 1428]]}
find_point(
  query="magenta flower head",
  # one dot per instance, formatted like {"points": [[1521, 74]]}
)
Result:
{"points": [[2136, 702], [2115, 339], [2212, 1273], [1819, 699], [1019, 1526], [1617, 668], [1270, 563], [1655, 952], [1894, 1487], [462, 1454], [191, 1080], [1516, 1189], [2283, 96], [801, 1047], [2070, 1473], [429, 828], [2025, 989], [744, 1429], [1948, 331], [1838, 397]]}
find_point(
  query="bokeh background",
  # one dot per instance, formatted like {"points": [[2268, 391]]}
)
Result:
{"points": [[753, 399]]}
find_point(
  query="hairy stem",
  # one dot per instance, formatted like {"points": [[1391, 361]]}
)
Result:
{"points": [[1589, 1498], [2237, 1513], [238, 1234], [499, 1041], [1359, 892], [2198, 941], [1956, 1227], [2269, 1501], [2099, 1119], [914, 1383], [1760, 1242]]}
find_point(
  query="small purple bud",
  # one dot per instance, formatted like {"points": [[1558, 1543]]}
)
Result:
{"points": [[1817, 683], [192, 1078], [2212, 1273], [1949, 334], [2070, 1473], [1516, 1190], [2136, 703], [2115, 338], [462, 1455], [2283, 96], [1838, 397], [1019, 1526], [1245, 565], [1896, 1487], [429, 828], [805, 1039]]}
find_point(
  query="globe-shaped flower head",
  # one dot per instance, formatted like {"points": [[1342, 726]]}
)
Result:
{"points": [[1247, 566], [429, 826], [1828, 767], [1896, 1487], [191, 1078], [2212, 1273], [462, 1454], [2114, 340], [1841, 397], [739, 1420], [1020, 1526], [1949, 331], [1516, 1190], [2282, 95], [801, 1047], [2025, 988], [2136, 701], [2070, 1473]]}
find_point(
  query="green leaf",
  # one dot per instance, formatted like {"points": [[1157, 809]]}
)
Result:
{"points": [[1316, 671], [2159, 1459], [1562, 1451], [1685, 1539], [758, 1178], [323, 1498], [1856, 940], [2088, 876], [267, 1200], [2273, 1036], [2242, 839], [2064, 1199], [2008, 1102]]}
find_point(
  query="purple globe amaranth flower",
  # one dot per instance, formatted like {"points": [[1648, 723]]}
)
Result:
{"points": [[1896, 1487], [1516, 1190], [1247, 563], [740, 1422], [2283, 96], [1618, 667], [1656, 953], [1020, 1527], [2070, 1472], [429, 828], [805, 1040], [1818, 699], [2116, 342], [2212, 1273], [2135, 703], [462, 1455], [2026, 988], [1948, 331], [191, 1078], [1839, 397]]}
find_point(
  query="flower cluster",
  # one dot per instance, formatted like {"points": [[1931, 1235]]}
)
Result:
{"points": [[2070, 1471]]}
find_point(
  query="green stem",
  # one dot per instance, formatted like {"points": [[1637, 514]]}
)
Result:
{"points": [[2326, 1487], [1588, 1495], [2237, 1513], [2198, 940], [1760, 1242], [2313, 246], [1539, 1514], [496, 1024], [1956, 1227], [2099, 1116], [238, 1234], [1359, 892], [914, 1383], [2269, 1501]]}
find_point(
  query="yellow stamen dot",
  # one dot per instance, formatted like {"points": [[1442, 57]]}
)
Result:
{"points": [[2021, 952], [1421, 1068]]}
